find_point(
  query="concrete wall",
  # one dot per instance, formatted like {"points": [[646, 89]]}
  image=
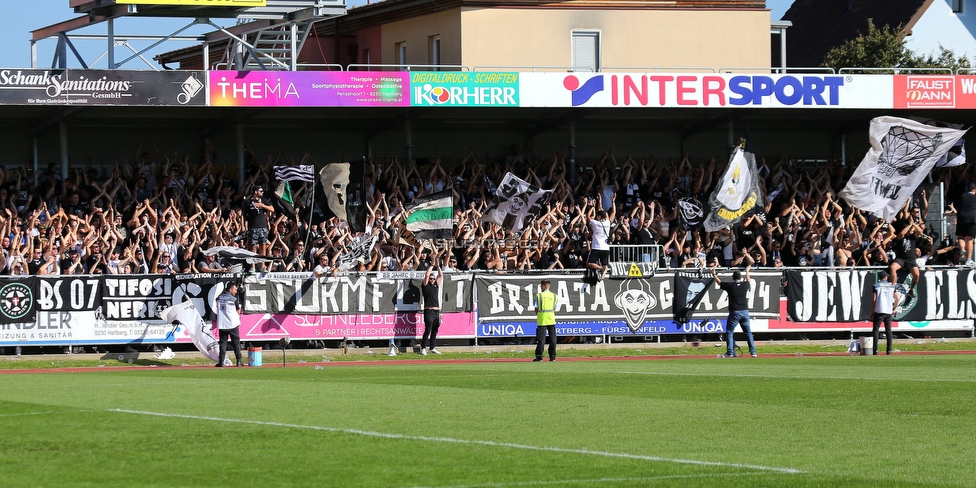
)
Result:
{"points": [[647, 38]]}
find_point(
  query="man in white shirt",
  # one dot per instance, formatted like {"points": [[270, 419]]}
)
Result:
{"points": [[885, 302], [228, 323], [599, 257]]}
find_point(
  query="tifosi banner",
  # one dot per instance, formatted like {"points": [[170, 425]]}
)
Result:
{"points": [[302, 293], [846, 296], [135, 297], [632, 302], [102, 87]]}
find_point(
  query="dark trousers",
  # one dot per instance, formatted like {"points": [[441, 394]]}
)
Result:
{"points": [[235, 339], [878, 319], [540, 337], [432, 322]]}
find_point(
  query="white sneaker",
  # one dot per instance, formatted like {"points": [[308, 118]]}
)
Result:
{"points": [[423, 352], [434, 351]]}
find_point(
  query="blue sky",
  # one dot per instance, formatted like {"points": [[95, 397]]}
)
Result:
{"points": [[19, 17]]}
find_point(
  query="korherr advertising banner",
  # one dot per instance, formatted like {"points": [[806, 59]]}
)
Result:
{"points": [[102, 87], [634, 302]]}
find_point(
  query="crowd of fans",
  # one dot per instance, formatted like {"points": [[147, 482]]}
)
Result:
{"points": [[156, 214]]}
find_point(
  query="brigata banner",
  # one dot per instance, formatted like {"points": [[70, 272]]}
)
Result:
{"points": [[303, 294], [401, 325], [102, 87], [309, 89], [846, 296], [704, 90], [636, 302]]}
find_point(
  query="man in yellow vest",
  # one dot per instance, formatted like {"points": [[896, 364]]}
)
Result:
{"points": [[545, 309]]}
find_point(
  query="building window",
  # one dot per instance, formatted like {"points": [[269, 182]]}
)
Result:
{"points": [[434, 51], [586, 51], [957, 5], [401, 54]]}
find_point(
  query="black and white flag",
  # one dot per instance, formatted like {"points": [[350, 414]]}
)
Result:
{"points": [[902, 154], [737, 193], [345, 192], [516, 203], [236, 254], [691, 213], [360, 251], [304, 172], [689, 289]]}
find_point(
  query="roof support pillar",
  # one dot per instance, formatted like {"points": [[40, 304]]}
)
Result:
{"points": [[240, 155], [408, 132], [571, 169], [63, 127]]}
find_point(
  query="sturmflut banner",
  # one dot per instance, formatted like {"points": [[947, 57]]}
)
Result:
{"points": [[302, 293]]}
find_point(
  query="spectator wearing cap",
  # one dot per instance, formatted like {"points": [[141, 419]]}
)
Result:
{"points": [[256, 210], [885, 300]]}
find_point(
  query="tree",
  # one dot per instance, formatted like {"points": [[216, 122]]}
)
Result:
{"points": [[884, 47]]}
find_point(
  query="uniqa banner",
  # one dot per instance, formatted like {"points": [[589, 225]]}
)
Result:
{"points": [[102, 87], [847, 295], [303, 293], [635, 301]]}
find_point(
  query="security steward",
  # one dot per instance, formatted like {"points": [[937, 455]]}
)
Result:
{"points": [[545, 309]]}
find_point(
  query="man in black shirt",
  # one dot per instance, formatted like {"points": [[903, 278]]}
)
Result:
{"points": [[738, 291], [431, 290], [255, 211], [966, 228], [904, 246]]}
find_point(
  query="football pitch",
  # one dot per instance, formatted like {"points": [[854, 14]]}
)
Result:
{"points": [[784, 421]]}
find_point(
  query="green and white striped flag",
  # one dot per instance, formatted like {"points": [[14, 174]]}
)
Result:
{"points": [[430, 216]]}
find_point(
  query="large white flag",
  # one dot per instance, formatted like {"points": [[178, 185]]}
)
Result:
{"points": [[902, 154], [201, 332], [516, 202], [737, 193]]}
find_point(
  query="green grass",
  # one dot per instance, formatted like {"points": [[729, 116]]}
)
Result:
{"points": [[803, 422]]}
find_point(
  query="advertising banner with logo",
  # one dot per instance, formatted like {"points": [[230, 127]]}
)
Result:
{"points": [[404, 325], [939, 92], [302, 293], [18, 301], [488, 329], [633, 303], [846, 296], [309, 89], [102, 87], [464, 89], [704, 90]]}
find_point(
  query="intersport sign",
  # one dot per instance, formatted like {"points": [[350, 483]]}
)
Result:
{"points": [[683, 90]]}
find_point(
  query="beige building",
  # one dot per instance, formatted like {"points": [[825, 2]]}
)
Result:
{"points": [[519, 35]]}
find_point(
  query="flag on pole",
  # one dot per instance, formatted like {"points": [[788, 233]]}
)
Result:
{"points": [[689, 289], [429, 217], [345, 192], [737, 193], [955, 157], [516, 203], [902, 154], [199, 331], [285, 201], [304, 172]]}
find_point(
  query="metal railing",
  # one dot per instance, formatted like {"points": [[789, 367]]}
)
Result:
{"points": [[406, 67], [636, 253], [896, 71], [776, 70]]}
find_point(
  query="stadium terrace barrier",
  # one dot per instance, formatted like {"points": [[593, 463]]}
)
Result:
{"points": [[124, 309]]}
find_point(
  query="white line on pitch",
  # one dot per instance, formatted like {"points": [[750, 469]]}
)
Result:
{"points": [[600, 480], [795, 377], [464, 441], [40, 413]]}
